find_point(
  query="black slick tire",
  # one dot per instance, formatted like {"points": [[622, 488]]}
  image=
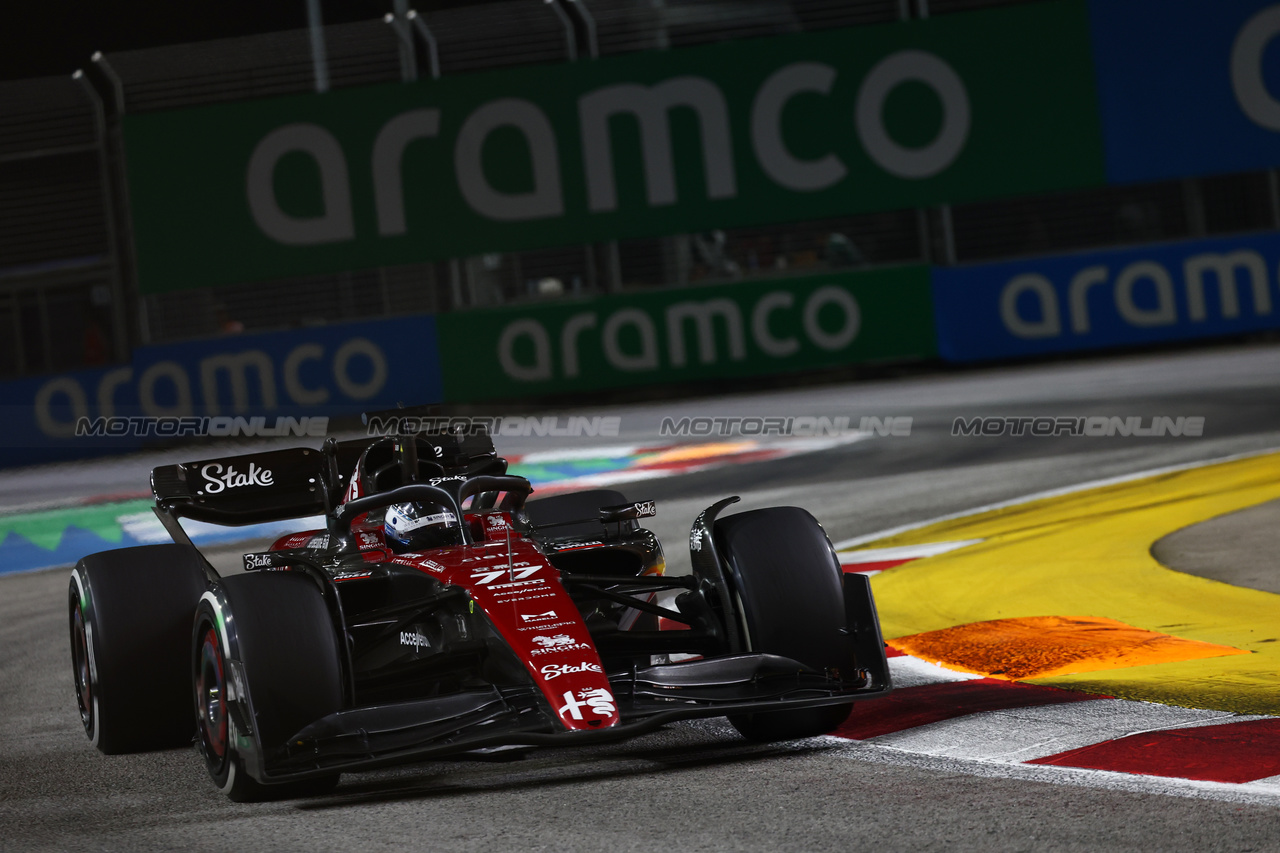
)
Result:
{"points": [[789, 585], [130, 617], [289, 649]]}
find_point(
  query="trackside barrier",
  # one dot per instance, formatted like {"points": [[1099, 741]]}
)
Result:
{"points": [[1119, 298], [300, 374], [1186, 87], [1094, 300], [721, 331]]}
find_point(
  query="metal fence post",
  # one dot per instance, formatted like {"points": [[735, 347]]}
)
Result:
{"points": [[1273, 182], [414, 21], [319, 56], [121, 207], [1193, 202], [613, 270], [408, 54], [455, 282], [433, 51], [119, 326], [117, 86], [570, 38], [946, 226], [46, 333], [948, 235], [924, 233], [589, 26], [19, 350]]}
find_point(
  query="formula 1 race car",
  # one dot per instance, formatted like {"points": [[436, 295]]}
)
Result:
{"points": [[439, 613]]}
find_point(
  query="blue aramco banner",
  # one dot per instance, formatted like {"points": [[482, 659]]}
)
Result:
{"points": [[1123, 297], [281, 383], [1187, 87]]}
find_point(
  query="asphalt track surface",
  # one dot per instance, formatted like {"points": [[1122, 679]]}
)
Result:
{"points": [[1252, 559], [693, 786]]}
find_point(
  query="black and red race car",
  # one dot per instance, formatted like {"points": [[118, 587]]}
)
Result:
{"points": [[533, 623]]}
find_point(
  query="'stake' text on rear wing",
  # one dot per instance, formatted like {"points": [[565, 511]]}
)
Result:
{"points": [[246, 489]]}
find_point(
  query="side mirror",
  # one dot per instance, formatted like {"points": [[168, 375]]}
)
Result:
{"points": [[628, 512]]}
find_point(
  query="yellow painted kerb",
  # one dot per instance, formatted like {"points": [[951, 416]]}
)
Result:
{"points": [[1089, 553]]}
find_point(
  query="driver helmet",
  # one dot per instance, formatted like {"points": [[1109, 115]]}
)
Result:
{"points": [[419, 527]]}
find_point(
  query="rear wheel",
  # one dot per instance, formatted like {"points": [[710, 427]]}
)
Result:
{"points": [[286, 641], [129, 613], [789, 587]]}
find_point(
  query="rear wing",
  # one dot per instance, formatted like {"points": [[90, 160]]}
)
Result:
{"points": [[246, 489], [300, 481], [275, 485]]}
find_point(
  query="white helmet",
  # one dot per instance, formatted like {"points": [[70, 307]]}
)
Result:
{"points": [[419, 527]]}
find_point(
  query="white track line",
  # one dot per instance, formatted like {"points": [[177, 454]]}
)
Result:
{"points": [[903, 552], [907, 671], [1051, 493], [1248, 792], [1016, 735], [547, 457]]}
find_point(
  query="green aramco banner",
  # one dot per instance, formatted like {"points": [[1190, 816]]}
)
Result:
{"points": [[686, 334], [957, 108]]}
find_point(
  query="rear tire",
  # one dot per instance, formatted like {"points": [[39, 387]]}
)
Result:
{"points": [[790, 588], [289, 650], [130, 616]]}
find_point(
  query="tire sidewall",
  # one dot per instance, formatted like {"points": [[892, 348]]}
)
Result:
{"points": [[80, 602], [254, 607], [222, 770]]}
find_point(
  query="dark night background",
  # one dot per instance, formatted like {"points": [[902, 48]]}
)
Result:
{"points": [[48, 39]]}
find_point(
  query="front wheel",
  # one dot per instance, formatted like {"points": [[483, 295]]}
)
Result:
{"points": [[790, 590], [286, 641]]}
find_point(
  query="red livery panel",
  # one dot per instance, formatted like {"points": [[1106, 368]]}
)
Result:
{"points": [[512, 582]]}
